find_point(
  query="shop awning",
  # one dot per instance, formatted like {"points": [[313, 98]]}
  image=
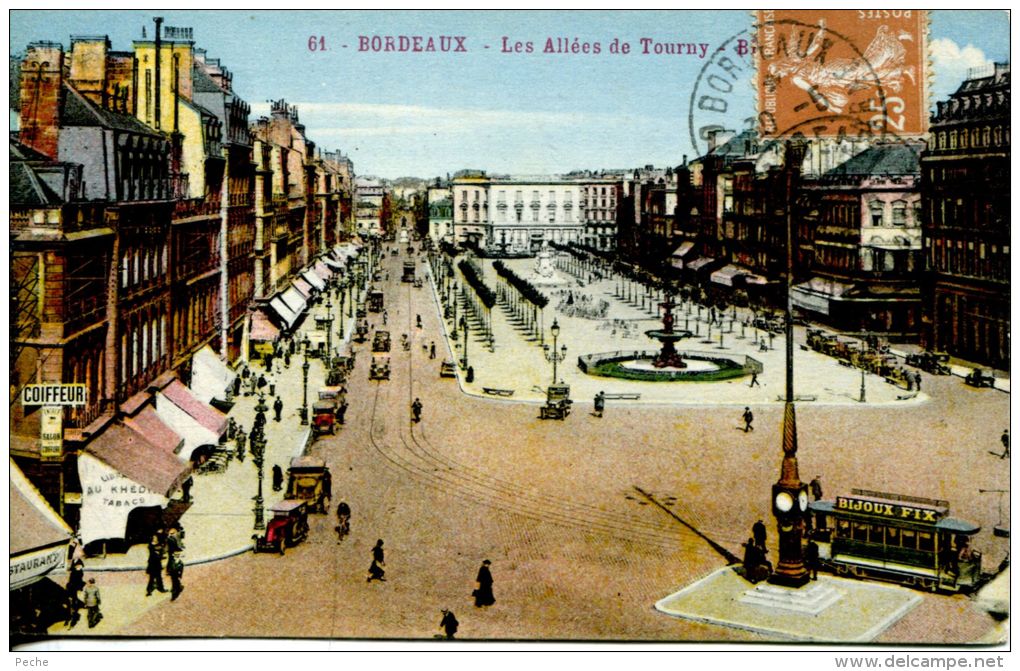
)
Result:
{"points": [[38, 536], [817, 293], [336, 265], [262, 330], [287, 316], [726, 274], [313, 279], [210, 377], [294, 300], [699, 262], [322, 271], [196, 422], [304, 288], [148, 424], [683, 249], [751, 278]]}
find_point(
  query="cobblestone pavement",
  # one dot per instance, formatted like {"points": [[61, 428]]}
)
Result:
{"points": [[577, 553]]}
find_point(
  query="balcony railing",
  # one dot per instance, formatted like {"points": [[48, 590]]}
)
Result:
{"points": [[195, 207]]}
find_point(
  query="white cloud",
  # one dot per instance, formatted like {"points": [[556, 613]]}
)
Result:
{"points": [[951, 63]]}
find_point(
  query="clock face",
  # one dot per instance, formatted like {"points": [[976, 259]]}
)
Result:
{"points": [[802, 499], [784, 501]]}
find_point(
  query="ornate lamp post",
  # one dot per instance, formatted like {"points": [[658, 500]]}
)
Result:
{"points": [[552, 354], [464, 328], [258, 453], [304, 379], [343, 299]]}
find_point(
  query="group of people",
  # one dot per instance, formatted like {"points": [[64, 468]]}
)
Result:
{"points": [[171, 546], [582, 305]]}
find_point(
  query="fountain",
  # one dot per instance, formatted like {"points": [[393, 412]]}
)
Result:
{"points": [[667, 364], [668, 356]]}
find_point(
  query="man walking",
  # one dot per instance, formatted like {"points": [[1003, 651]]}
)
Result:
{"points": [[343, 520], [377, 571], [748, 418], [432, 350], [759, 534], [600, 403], [154, 567], [754, 379], [175, 569], [816, 487], [277, 408], [277, 478], [449, 624], [91, 597], [416, 411], [1005, 445]]}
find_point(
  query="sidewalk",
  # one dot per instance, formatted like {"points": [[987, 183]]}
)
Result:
{"points": [[219, 522]]}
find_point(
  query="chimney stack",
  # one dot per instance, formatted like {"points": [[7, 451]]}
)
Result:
{"points": [[42, 74]]}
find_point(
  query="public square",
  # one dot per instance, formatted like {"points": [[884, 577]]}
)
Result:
{"points": [[588, 522]]}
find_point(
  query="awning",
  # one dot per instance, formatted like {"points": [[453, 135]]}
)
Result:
{"points": [[816, 294], [683, 249], [283, 311], [148, 424], [262, 330], [726, 274], [313, 279], [304, 288], [195, 421], [336, 265], [321, 271], [751, 278], [210, 377], [294, 300], [38, 536], [699, 262]]}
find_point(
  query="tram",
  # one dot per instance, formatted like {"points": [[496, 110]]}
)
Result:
{"points": [[905, 539]]}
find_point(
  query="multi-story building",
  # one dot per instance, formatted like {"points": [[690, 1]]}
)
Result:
{"points": [[515, 215], [865, 217], [966, 227], [369, 205], [600, 197], [440, 209]]}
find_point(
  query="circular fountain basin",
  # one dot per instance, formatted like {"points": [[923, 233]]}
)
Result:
{"points": [[639, 366], [693, 366]]}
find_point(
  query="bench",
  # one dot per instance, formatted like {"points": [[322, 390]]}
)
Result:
{"points": [[492, 391], [622, 397]]}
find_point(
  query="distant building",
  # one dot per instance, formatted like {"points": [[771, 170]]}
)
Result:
{"points": [[965, 182], [866, 268], [440, 204], [369, 197]]}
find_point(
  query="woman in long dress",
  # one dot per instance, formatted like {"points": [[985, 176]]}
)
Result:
{"points": [[483, 595]]}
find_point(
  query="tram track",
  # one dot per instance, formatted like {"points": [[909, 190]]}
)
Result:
{"points": [[418, 456]]}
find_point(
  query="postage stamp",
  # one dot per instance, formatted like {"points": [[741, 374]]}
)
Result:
{"points": [[340, 328], [867, 66]]}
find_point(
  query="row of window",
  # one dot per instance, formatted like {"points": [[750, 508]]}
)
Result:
{"points": [[968, 258], [142, 344], [142, 265], [878, 534], [898, 209], [975, 138]]}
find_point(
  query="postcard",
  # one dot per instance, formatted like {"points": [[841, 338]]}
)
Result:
{"points": [[446, 327]]}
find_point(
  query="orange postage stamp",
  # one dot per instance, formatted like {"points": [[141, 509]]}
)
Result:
{"points": [[842, 72]]}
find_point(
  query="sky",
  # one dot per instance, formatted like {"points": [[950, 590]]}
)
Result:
{"points": [[428, 114]]}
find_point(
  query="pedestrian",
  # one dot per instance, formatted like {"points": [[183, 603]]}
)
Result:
{"points": [[759, 533], [277, 478], [277, 408], [343, 520], [385, 315], [600, 403], [272, 387], [432, 350], [286, 358], [811, 559], [186, 489], [154, 567], [917, 380], [470, 376], [237, 386], [417, 320], [748, 418], [816, 487], [377, 571], [483, 594], [416, 411], [252, 382], [174, 542], [449, 624], [241, 439], [75, 584], [92, 601], [175, 569], [261, 382], [269, 361], [754, 379], [1005, 445]]}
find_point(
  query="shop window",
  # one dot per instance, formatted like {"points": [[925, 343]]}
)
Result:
{"points": [[876, 534], [860, 531], [908, 539], [925, 541], [892, 536]]}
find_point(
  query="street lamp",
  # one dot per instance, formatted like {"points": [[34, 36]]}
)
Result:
{"points": [[464, 328], [258, 453], [552, 354], [304, 378], [329, 328]]}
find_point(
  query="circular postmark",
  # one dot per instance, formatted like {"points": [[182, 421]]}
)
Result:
{"points": [[810, 80]]}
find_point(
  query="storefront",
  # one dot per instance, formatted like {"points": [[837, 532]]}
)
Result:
{"points": [[200, 426], [39, 540], [211, 379]]}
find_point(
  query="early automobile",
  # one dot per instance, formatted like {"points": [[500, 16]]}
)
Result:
{"points": [[323, 418], [557, 403], [978, 378], [408, 275], [447, 369], [309, 480], [375, 301], [287, 528], [337, 396], [380, 368], [381, 341], [935, 363], [361, 330]]}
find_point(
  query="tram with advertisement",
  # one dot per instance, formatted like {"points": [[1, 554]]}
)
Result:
{"points": [[905, 539]]}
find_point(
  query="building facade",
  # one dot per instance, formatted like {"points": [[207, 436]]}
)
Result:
{"points": [[966, 225]]}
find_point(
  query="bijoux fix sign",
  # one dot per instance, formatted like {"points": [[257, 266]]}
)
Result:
{"points": [[54, 394]]}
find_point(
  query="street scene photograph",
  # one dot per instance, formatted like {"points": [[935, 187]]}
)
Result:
{"points": [[366, 329]]}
